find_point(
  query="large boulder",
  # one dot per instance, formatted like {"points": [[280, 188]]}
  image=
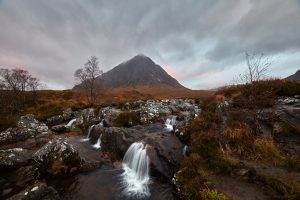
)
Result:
{"points": [[165, 152], [54, 120], [27, 127], [14, 158], [58, 157]]}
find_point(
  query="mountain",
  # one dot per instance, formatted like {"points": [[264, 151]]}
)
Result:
{"points": [[294, 77], [136, 72]]}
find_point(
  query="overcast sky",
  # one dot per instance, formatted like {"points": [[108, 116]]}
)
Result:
{"points": [[201, 43]]}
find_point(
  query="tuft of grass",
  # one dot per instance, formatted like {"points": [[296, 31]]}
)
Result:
{"points": [[265, 149], [212, 194], [291, 164], [278, 188]]}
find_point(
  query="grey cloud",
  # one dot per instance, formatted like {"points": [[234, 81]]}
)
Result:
{"points": [[54, 38]]}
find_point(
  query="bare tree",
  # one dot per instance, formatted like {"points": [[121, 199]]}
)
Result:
{"points": [[16, 82], [87, 76], [257, 67], [255, 96]]}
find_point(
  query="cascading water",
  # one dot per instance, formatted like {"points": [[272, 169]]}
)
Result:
{"points": [[135, 177], [88, 135], [98, 144], [184, 151], [70, 123], [170, 122]]}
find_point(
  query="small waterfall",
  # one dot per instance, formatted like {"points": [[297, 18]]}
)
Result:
{"points": [[170, 122], [136, 171], [89, 133], [98, 144], [70, 123], [184, 151]]}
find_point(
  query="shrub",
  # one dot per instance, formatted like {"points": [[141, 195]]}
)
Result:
{"points": [[127, 119], [212, 194]]}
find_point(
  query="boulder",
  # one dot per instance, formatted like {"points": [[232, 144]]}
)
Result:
{"points": [[59, 128], [165, 152], [58, 157], [37, 191], [67, 114], [27, 127], [14, 158], [54, 120]]}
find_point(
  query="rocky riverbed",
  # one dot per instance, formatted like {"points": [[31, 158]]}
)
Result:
{"points": [[78, 154]]}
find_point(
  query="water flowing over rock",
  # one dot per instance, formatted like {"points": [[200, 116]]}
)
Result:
{"points": [[170, 123], [135, 177]]}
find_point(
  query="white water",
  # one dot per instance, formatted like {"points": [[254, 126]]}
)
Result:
{"points": [[184, 150], [70, 123], [135, 177], [170, 122], [98, 144], [88, 135]]}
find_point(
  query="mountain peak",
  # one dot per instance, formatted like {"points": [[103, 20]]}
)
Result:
{"points": [[137, 71]]}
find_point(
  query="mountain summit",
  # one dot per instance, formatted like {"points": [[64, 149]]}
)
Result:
{"points": [[138, 71]]}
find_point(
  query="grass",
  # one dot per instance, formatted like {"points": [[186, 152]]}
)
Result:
{"points": [[212, 194]]}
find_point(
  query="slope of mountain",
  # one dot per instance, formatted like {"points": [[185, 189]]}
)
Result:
{"points": [[136, 72], [294, 77]]}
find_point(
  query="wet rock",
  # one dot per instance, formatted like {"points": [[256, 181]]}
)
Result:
{"points": [[241, 172], [165, 152], [13, 158], [54, 120], [27, 127], [59, 128], [109, 115], [67, 114], [58, 157], [115, 139], [37, 191], [24, 176], [88, 115]]}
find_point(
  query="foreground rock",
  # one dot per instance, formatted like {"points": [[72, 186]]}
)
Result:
{"points": [[58, 157], [27, 127], [13, 158], [37, 191]]}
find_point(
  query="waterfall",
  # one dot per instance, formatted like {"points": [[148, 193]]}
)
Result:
{"points": [[184, 151], [170, 122], [70, 123], [136, 171], [98, 144], [88, 135]]}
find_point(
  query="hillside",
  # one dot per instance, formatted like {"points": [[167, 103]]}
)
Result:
{"points": [[294, 77]]}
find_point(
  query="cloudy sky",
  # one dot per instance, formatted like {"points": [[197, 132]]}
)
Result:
{"points": [[202, 43]]}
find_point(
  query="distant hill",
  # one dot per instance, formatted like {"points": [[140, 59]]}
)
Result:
{"points": [[294, 77], [136, 72]]}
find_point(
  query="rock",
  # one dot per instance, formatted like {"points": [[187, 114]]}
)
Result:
{"points": [[14, 158], [241, 172], [27, 127], [67, 114], [165, 152], [58, 157], [54, 120], [88, 115], [59, 128], [37, 191], [115, 139], [24, 176], [109, 115]]}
